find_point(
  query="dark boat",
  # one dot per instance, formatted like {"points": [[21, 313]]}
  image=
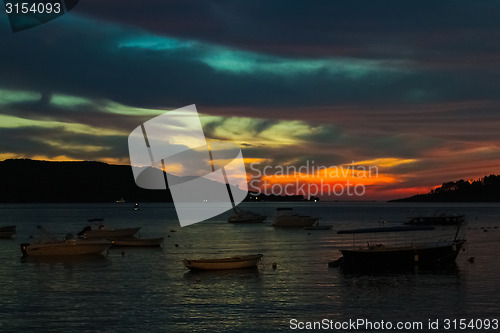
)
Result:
{"points": [[443, 219], [380, 256]]}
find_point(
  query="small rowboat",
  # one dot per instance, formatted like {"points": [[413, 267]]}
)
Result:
{"points": [[224, 263]]}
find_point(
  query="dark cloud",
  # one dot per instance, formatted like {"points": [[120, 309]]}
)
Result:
{"points": [[388, 29], [57, 141], [81, 57]]}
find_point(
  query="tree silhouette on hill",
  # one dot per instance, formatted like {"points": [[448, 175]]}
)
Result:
{"points": [[486, 189]]}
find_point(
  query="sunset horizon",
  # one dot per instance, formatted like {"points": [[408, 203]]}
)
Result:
{"points": [[418, 103]]}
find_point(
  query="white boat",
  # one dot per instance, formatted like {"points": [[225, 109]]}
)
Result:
{"points": [[107, 233], [69, 246], [286, 217], [224, 263], [137, 242], [243, 216]]}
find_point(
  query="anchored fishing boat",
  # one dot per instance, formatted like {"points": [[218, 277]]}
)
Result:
{"points": [[397, 252], [69, 246]]}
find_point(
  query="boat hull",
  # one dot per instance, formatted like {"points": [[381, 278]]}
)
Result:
{"points": [[377, 258], [223, 264], [64, 248], [110, 233]]}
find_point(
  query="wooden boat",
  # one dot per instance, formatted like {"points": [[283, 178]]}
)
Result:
{"points": [[137, 242], [379, 256], [287, 218], [242, 216], [107, 233], [69, 246], [443, 219], [224, 263], [7, 231]]}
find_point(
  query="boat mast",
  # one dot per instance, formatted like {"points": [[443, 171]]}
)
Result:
{"points": [[223, 174], [458, 229]]}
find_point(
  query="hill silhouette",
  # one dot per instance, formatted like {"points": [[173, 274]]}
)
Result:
{"points": [[486, 189], [24, 180]]}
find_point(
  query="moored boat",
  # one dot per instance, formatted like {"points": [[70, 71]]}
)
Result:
{"points": [[69, 246], [7, 231], [399, 254], [236, 262], [286, 217], [107, 233]]}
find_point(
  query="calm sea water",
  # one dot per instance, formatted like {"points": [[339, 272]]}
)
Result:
{"points": [[149, 290]]}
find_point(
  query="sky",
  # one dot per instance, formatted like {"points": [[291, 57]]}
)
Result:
{"points": [[408, 90]]}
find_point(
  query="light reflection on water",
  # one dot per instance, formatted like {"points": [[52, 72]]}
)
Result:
{"points": [[150, 290]]}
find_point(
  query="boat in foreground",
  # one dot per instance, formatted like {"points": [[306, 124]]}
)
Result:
{"points": [[243, 216], [380, 256], [286, 217], [69, 246], [7, 231], [107, 233], [224, 263]]}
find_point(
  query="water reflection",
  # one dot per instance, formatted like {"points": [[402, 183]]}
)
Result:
{"points": [[451, 269], [151, 290], [66, 261], [226, 274]]}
